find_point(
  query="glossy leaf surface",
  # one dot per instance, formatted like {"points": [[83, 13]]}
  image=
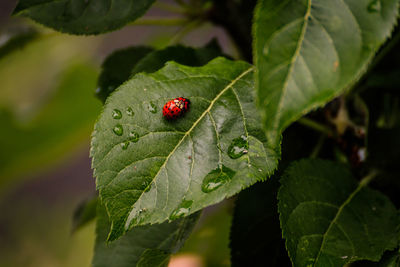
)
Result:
{"points": [[149, 169], [308, 51]]}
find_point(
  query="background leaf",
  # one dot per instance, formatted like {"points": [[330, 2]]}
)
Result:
{"points": [[122, 64], [117, 68], [327, 218], [149, 169], [140, 243], [180, 54], [38, 142], [153, 258], [84, 213], [308, 51], [18, 41], [83, 17]]}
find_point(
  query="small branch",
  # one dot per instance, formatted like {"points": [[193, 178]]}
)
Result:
{"points": [[159, 21], [316, 126], [185, 30]]}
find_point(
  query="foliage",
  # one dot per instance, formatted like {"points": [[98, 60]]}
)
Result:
{"points": [[323, 84]]}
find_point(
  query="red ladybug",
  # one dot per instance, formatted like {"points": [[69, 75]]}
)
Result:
{"points": [[175, 108]]}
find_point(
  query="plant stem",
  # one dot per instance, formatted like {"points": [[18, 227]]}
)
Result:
{"points": [[367, 179], [318, 146], [185, 30], [316, 126], [159, 21]]}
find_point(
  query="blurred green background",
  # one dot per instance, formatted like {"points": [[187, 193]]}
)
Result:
{"points": [[47, 113]]}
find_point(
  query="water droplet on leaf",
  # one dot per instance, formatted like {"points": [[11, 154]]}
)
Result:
{"points": [[216, 178], [133, 137], [118, 130], [374, 6], [130, 112], [182, 210], [116, 114], [238, 147], [125, 145]]}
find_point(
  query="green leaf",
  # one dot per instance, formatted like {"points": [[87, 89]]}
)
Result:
{"points": [[18, 41], [153, 258], [157, 241], [180, 54], [149, 169], [389, 259], [117, 68], [307, 52], [210, 241], [83, 17], [256, 237], [328, 219], [84, 213]]}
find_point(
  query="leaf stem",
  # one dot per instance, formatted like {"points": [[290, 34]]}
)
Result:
{"points": [[316, 126], [185, 30], [159, 21], [318, 146], [367, 179]]}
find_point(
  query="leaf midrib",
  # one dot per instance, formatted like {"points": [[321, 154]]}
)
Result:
{"points": [[360, 186], [292, 63], [129, 219]]}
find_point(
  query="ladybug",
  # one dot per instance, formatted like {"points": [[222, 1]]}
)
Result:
{"points": [[175, 108]]}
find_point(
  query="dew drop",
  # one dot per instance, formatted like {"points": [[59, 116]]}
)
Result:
{"points": [[118, 130], [116, 114], [152, 108], [182, 210], [238, 147], [374, 6], [133, 137], [216, 178], [125, 145], [130, 112]]}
